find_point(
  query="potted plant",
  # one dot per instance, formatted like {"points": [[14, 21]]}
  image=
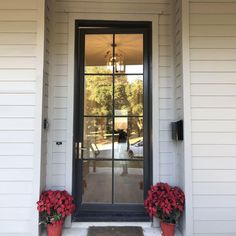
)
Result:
{"points": [[167, 204], [53, 207]]}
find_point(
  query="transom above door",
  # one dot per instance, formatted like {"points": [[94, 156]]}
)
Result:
{"points": [[111, 161]]}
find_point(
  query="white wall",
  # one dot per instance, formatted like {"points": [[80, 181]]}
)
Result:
{"points": [[20, 108], [59, 97], [213, 106]]}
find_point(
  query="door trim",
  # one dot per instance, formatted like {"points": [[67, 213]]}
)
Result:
{"points": [[72, 17]]}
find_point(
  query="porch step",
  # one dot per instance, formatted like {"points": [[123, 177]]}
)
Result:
{"points": [[148, 231]]}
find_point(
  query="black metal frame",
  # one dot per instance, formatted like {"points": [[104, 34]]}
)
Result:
{"points": [[114, 212]]}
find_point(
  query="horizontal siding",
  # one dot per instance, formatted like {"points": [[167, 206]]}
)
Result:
{"points": [[14, 5], [18, 27], [209, 42], [216, 201], [222, 7], [16, 15], [213, 73], [213, 101], [216, 176], [13, 213], [214, 138], [16, 175], [18, 51], [13, 38], [215, 227], [214, 163], [15, 227], [216, 214], [18, 62], [213, 54], [17, 111]]}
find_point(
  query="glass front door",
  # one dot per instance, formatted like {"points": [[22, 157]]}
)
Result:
{"points": [[111, 128]]}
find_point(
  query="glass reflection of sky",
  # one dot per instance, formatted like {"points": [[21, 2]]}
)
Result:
{"points": [[134, 69]]}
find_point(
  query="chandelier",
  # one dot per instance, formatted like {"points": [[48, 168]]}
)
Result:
{"points": [[117, 60]]}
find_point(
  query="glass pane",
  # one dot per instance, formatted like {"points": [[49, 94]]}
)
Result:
{"points": [[98, 53], [128, 138], [121, 138], [128, 53], [97, 182], [129, 95], [97, 137], [128, 182], [98, 95]]}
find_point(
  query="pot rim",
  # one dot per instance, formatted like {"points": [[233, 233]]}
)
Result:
{"points": [[167, 223]]}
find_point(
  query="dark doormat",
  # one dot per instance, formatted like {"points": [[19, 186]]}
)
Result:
{"points": [[115, 231]]}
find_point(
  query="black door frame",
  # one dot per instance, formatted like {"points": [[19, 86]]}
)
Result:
{"points": [[118, 212]]}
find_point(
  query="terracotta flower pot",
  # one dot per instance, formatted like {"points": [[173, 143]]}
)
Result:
{"points": [[54, 230], [167, 229]]}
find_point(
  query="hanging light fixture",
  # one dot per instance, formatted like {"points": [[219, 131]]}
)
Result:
{"points": [[117, 60]]}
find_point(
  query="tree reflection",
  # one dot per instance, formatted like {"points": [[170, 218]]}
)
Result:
{"points": [[100, 99]]}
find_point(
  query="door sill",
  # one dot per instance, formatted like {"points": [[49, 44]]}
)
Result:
{"points": [[111, 217]]}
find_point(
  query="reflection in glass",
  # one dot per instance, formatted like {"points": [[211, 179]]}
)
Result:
{"points": [[129, 53], [135, 137], [129, 94], [97, 137], [98, 95], [128, 182], [97, 46], [122, 140], [128, 140], [97, 182]]}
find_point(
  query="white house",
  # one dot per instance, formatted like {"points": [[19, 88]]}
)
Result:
{"points": [[183, 55]]}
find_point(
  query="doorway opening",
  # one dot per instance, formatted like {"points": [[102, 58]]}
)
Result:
{"points": [[112, 161]]}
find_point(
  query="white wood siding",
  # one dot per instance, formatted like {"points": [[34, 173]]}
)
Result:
{"points": [[20, 127], [59, 90], [213, 95]]}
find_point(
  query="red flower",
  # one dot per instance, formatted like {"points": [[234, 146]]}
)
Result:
{"points": [[54, 206], [165, 202]]}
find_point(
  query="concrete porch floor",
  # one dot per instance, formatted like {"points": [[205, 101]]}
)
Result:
{"points": [[83, 232], [80, 229]]}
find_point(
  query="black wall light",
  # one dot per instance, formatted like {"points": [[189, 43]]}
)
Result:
{"points": [[177, 130]]}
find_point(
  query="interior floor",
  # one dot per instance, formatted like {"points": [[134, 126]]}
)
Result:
{"points": [[128, 185]]}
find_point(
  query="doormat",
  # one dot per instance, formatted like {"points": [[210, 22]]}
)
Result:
{"points": [[115, 231]]}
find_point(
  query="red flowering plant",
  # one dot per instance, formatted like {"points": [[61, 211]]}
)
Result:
{"points": [[54, 206], [165, 202]]}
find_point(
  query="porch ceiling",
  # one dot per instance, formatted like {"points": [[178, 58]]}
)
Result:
{"points": [[129, 45]]}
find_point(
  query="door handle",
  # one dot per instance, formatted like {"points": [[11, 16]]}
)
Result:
{"points": [[79, 149]]}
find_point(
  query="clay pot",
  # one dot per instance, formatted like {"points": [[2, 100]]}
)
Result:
{"points": [[54, 230], [167, 229]]}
